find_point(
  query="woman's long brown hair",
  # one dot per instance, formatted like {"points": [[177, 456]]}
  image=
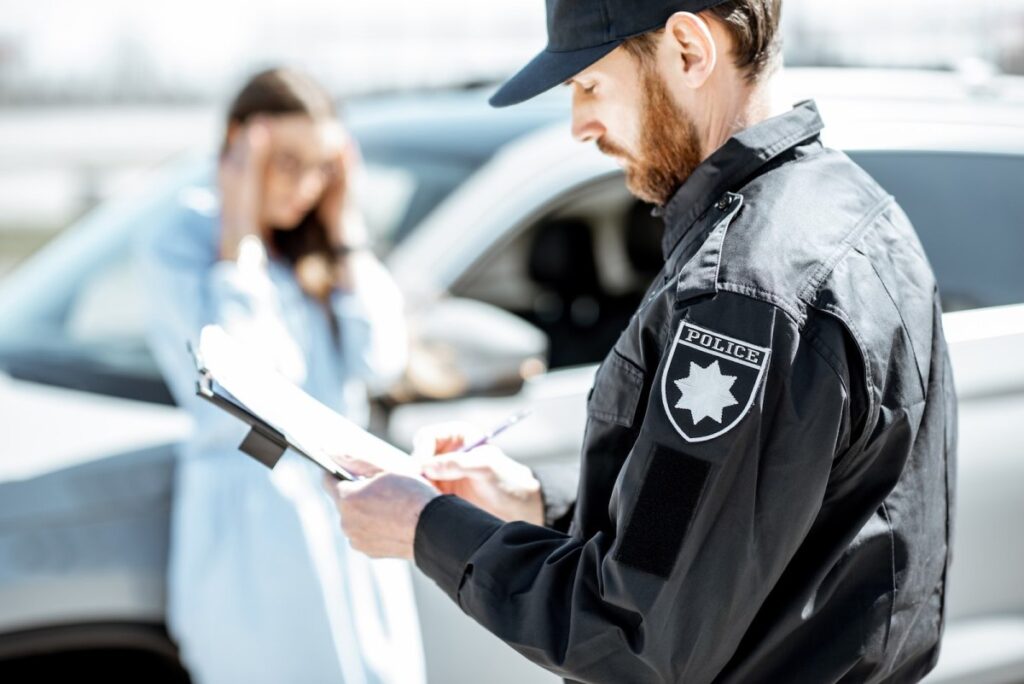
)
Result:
{"points": [[280, 91]]}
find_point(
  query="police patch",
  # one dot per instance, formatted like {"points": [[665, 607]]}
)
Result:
{"points": [[710, 381]]}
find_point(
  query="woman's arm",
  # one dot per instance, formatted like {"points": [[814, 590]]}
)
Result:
{"points": [[187, 286], [370, 312]]}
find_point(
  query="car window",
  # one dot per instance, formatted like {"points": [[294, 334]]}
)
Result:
{"points": [[578, 273], [109, 307], [399, 189], [78, 305], [969, 212]]}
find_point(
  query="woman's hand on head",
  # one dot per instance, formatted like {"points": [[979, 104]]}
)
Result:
{"points": [[240, 177], [342, 219], [337, 210]]}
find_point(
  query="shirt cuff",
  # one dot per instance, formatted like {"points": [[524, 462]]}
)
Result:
{"points": [[246, 277], [449, 532]]}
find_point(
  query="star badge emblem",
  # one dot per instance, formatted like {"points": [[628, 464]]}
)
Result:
{"points": [[706, 392], [719, 377]]}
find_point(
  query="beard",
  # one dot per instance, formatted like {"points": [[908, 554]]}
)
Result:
{"points": [[669, 145]]}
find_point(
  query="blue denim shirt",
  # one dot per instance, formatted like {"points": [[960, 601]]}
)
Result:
{"points": [[262, 306]]}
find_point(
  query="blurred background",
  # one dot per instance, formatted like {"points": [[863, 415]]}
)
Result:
{"points": [[520, 254], [92, 92]]}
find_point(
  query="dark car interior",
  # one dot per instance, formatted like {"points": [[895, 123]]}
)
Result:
{"points": [[581, 318], [576, 274]]}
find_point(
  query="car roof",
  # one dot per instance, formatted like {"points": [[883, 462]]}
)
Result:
{"points": [[456, 125], [460, 126]]}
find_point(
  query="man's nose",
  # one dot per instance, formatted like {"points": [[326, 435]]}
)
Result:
{"points": [[585, 126]]}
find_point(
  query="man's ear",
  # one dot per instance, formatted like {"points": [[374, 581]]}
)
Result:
{"points": [[691, 40]]}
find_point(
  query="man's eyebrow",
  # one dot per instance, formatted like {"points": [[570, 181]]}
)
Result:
{"points": [[568, 82]]}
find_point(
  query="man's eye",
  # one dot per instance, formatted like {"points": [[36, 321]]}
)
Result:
{"points": [[589, 89]]}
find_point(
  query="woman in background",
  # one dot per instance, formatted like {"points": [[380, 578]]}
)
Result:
{"points": [[262, 586]]}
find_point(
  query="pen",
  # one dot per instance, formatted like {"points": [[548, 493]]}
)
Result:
{"points": [[509, 422]]}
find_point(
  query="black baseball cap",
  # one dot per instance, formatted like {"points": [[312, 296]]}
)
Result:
{"points": [[580, 32]]}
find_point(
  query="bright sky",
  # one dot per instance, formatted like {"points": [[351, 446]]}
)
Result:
{"points": [[208, 41], [205, 46]]}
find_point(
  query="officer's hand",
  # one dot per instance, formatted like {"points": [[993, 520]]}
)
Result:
{"points": [[379, 513], [485, 476]]}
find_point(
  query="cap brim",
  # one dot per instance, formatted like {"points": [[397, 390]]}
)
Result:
{"points": [[547, 70]]}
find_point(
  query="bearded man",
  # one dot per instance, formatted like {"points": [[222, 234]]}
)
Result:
{"points": [[764, 492]]}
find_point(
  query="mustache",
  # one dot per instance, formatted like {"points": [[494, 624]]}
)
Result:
{"points": [[611, 149]]}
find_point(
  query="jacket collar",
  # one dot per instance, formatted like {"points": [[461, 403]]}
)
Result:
{"points": [[732, 164]]}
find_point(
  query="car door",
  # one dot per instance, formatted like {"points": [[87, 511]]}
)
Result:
{"points": [[86, 468], [79, 381]]}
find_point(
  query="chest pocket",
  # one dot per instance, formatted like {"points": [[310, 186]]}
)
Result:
{"points": [[616, 393]]}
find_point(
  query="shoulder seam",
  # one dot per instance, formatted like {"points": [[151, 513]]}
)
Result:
{"points": [[827, 354], [806, 293], [922, 385], [869, 386], [801, 322], [764, 296]]}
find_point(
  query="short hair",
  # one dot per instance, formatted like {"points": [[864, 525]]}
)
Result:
{"points": [[753, 26]]}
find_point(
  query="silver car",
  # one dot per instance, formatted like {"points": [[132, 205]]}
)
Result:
{"points": [[522, 257]]}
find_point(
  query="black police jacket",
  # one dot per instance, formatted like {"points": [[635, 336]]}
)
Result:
{"points": [[764, 493]]}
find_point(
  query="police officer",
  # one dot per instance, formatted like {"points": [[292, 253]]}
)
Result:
{"points": [[765, 484]]}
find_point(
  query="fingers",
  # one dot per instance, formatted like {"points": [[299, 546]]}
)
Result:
{"points": [[351, 156], [257, 138], [379, 514], [444, 438], [339, 490], [331, 484], [234, 157], [477, 464], [356, 466], [445, 445], [428, 446], [328, 481], [250, 148]]}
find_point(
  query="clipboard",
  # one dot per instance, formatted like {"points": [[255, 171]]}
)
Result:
{"points": [[280, 415]]}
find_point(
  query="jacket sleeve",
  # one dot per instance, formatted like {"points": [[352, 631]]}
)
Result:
{"points": [[699, 531]]}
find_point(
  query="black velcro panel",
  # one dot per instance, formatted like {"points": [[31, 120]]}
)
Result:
{"points": [[668, 499]]}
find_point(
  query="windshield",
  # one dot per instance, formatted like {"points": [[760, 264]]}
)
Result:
{"points": [[79, 289], [396, 194]]}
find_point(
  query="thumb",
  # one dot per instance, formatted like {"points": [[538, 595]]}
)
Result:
{"points": [[356, 466], [331, 486]]}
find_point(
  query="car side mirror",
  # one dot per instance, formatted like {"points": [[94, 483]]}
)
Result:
{"points": [[462, 347]]}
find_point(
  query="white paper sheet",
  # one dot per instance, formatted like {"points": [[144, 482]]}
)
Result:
{"points": [[305, 422]]}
